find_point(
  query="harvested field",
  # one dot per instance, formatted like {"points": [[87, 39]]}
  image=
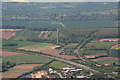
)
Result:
{"points": [[103, 40], [19, 70], [105, 58], [8, 53], [6, 35], [55, 52], [115, 46], [38, 47], [47, 49], [108, 40]]}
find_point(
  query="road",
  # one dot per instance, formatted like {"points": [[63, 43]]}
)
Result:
{"points": [[70, 62]]}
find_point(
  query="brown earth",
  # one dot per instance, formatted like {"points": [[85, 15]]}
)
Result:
{"points": [[115, 46], [105, 58], [56, 52], [6, 35], [8, 53], [19, 70]]}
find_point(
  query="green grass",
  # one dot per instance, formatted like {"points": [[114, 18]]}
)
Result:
{"points": [[38, 47], [25, 34], [107, 61], [71, 45], [90, 23], [58, 65], [19, 43], [106, 45], [26, 58]]}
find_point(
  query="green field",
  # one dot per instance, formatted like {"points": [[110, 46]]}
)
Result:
{"points": [[96, 48], [71, 46], [90, 23], [107, 61], [19, 43], [26, 58], [99, 45], [58, 65], [25, 34], [37, 47]]}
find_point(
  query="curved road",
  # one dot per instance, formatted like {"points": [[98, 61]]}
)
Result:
{"points": [[70, 62]]}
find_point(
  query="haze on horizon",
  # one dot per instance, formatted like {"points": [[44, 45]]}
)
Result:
{"points": [[60, 1]]}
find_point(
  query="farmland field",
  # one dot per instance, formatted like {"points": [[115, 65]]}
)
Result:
{"points": [[58, 65], [98, 45], [71, 46], [6, 35], [19, 70], [38, 47], [55, 52], [116, 47], [26, 58], [19, 44], [90, 23], [25, 34], [8, 53], [106, 60]]}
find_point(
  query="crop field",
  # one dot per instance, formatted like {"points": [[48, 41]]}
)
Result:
{"points": [[56, 52], [25, 34], [7, 44], [6, 35], [89, 23], [98, 45], [26, 58], [71, 46], [8, 53], [38, 47], [107, 60], [10, 30], [117, 47], [47, 49], [58, 65], [19, 70]]}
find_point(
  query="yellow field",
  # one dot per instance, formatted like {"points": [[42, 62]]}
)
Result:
{"points": [[38, 47], [19, 70]]}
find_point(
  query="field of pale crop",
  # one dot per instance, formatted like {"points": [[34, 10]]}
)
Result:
{"points": [[38, 47], [19, 70], [71, 46]]}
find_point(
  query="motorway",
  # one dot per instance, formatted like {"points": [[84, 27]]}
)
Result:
{"points": [[69, 62]]}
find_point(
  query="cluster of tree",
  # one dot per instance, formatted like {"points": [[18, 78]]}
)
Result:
{"points": [[13, 27], [7, 65], [11, 44]]}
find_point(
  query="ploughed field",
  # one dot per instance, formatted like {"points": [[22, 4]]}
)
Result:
{"points": [[19, 70], [116, 47], [47, 49], [8, 53], [6, 35]]}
